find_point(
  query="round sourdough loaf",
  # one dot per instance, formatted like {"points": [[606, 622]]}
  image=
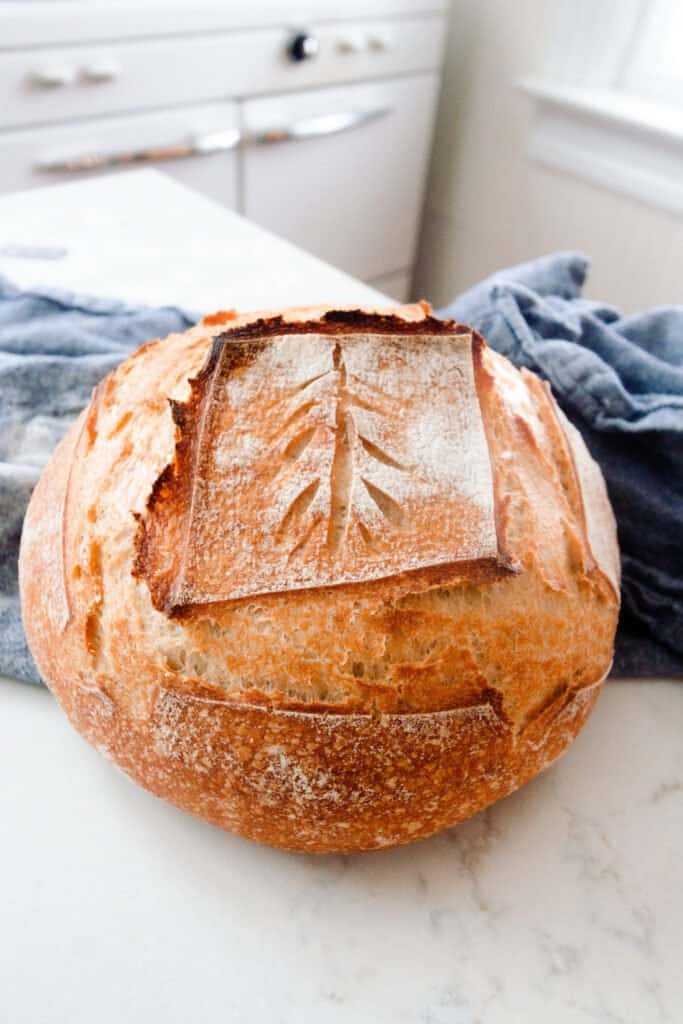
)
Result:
{"points": [[331, 579]]}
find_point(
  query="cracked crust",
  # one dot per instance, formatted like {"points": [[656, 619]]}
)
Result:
{"points": [[348, 715]]}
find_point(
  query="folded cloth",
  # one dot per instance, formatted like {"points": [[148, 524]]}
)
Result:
{"points": [[54, 348], [620, 380]]}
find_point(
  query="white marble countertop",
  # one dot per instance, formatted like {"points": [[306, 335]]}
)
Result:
{"points": [[562, 903], [143, 237]]}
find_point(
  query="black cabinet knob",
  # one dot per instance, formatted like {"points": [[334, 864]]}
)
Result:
{"points": [[303, 46]]}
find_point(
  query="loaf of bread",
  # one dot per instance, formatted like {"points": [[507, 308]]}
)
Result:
{"points": [[330, 579]]}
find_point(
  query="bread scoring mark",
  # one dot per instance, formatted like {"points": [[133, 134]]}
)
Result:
{"points": [[298, 413], [485, 384], [390, 509], [299, 506], [311, 454], [342, 462], [311, 380], [377, 453], [366, 535], [85, 439], [298, 444], [346, 438], [121, 423], [93, 634], [299, 548]]}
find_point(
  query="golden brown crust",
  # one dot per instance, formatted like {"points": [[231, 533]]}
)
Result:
{"points": [[323, 782], [344, 717]]}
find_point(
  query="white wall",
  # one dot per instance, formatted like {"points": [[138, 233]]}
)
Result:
{"points": [[488, 206]]}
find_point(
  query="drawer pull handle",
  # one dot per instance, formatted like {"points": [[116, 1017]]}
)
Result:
{"points": [[101, 71], [200, 145], [53, 76], [317, 127], [215, 142]]}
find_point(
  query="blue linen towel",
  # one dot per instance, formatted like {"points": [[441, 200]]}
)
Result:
{"points": [[54, 348], [619, 379]]}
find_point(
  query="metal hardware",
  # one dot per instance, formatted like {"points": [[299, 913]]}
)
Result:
{"points": [[378, 43], [348, 45], [103, 70], [201, 145], [53, 76], [216, 142], [315, 127], [303, 46]]}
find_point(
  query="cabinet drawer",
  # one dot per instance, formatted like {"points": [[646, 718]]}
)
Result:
{"points": [[215, 175], [348, 184], [48, 85]]}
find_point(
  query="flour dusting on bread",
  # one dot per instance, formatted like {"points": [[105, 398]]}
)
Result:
{"points": [[308, 459]]}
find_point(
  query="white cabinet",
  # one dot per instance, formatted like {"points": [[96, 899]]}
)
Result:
{"points": [[351, 195], [32, 157], [62, 83], [329, 152]]}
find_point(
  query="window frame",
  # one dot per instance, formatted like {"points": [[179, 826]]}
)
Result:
{"points": [[589, 122]]}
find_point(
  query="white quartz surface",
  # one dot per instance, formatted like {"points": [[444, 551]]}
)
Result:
{"points": [[146, 238], [561, 905]]}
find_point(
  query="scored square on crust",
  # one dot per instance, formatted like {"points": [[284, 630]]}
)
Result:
{"points": [[316, 454]]}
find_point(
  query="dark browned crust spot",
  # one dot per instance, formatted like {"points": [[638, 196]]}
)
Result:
{"points": [[98, 401], [221, 316], [341, 321]]}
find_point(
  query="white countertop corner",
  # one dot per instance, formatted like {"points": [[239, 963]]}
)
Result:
{"points": [[144, 237]]}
